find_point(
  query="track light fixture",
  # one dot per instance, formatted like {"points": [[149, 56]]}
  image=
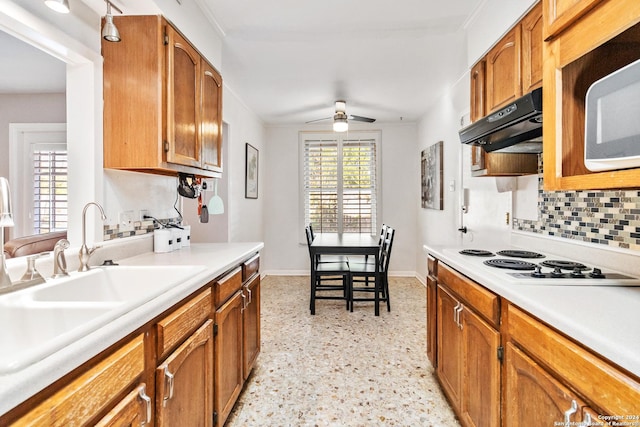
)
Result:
{"points": [[60, 6], [110, 31]]}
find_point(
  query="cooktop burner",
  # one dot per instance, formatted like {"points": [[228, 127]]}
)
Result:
{"points": [[476, 252], [564, 265], [520, 254], [510, 264]]}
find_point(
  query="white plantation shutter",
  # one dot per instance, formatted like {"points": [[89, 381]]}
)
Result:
{"points": [[49, 188], [340, 182], [359, 186]]}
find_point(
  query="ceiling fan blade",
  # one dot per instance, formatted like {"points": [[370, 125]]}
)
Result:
{"points": [[361, 119], [319, 120]]}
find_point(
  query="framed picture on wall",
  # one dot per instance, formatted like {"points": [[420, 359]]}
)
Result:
{"points": [[251, 172], [431, 166]]}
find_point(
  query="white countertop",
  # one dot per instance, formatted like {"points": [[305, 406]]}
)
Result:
{"points": [[605, 319], [216, 257]]}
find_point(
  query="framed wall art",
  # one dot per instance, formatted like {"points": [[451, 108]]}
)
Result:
{"points": [[251, 172], [431, 166]]}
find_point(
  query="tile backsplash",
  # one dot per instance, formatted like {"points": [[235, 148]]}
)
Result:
{"points": [[606, 217]]}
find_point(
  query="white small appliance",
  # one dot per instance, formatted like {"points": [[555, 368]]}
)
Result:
{"points": [[612, 121]]}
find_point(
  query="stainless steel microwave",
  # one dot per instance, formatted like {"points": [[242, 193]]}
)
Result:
{"points": [[612, 121]]}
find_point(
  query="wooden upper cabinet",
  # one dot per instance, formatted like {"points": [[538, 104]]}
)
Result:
{"points": [[559, 14], [211, 120], [183, 100], [503, 71], [478, 91], [531, 27], [599, 43], [162, 102]]}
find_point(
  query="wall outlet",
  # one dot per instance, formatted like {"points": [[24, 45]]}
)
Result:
{"points": [[144, 212], [125, 221]]}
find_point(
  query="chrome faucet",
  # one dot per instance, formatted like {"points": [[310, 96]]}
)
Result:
{"points": [[85, 253], [59, 261]]}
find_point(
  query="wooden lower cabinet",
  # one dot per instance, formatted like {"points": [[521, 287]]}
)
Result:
{"points": [[500, 366], [186, 367], [134, 410], [468, 365], [184, 382], [229, 377], [93, 392], [251, 325], [533, 397]]}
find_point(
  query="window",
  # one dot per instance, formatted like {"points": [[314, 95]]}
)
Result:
{"points": [[39, 151], [49, 187], [340, 181]]}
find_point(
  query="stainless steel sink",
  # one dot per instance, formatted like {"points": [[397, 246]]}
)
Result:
{"points": [[40, 320]]}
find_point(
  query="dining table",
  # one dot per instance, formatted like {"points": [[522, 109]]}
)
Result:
{"points": [[349, 244]]}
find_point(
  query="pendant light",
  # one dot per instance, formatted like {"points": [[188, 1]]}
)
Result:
{"points": [[109, 30], [60, 6]]}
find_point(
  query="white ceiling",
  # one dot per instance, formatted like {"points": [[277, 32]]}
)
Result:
{"points": [[289, 60], [26, 69]]}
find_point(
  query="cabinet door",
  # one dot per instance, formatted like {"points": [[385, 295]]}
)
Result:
{"points": [[132, 411], [532, 397], [478, 91], [559, 14], [449, 347], [184, 382], [93, 392], [481, 373], [503, 71], [432, 307], [532, 50], [251, 327], [183, 101], [211, 125], [228, 356]]}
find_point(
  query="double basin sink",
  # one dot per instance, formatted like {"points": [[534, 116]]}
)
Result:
{"points": [[42, 319]]}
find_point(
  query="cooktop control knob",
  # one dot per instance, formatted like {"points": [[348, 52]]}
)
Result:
{"points": [[557, 272], [596, 274], [577, 273], [537, 272]]}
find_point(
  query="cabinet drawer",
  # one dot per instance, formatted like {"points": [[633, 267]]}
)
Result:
{"points": [[174, 328], [250, 267], [92, 392], [486, 303], [606, 387], [226, 286]]}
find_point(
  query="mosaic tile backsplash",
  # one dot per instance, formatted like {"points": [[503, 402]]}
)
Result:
{"points": [[610, 217]]}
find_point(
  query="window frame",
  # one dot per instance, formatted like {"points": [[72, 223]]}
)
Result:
{"points": [[340, 138]]}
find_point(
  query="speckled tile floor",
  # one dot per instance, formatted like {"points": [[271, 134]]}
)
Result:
{"points": [[339, 368]]}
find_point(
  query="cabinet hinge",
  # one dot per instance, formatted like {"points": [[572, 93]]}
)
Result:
{"points": [[166, 146], [500, 353], [215, 329], [215, 418], [166, 38]]}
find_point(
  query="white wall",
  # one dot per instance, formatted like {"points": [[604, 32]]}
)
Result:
{"points": [[285, 252], [27, 108]]}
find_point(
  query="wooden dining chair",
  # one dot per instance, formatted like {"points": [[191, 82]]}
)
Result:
{"points": [[330, 277], [361, 273]]}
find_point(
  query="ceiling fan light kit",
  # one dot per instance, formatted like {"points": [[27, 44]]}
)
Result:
{"points": [[340, 123], [341, 119]]}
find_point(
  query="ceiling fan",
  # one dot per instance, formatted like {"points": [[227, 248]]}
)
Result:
{"points": [[341, 119]]}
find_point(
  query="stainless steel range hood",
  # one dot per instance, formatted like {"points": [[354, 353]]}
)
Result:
{"points": [[517, 128]]}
